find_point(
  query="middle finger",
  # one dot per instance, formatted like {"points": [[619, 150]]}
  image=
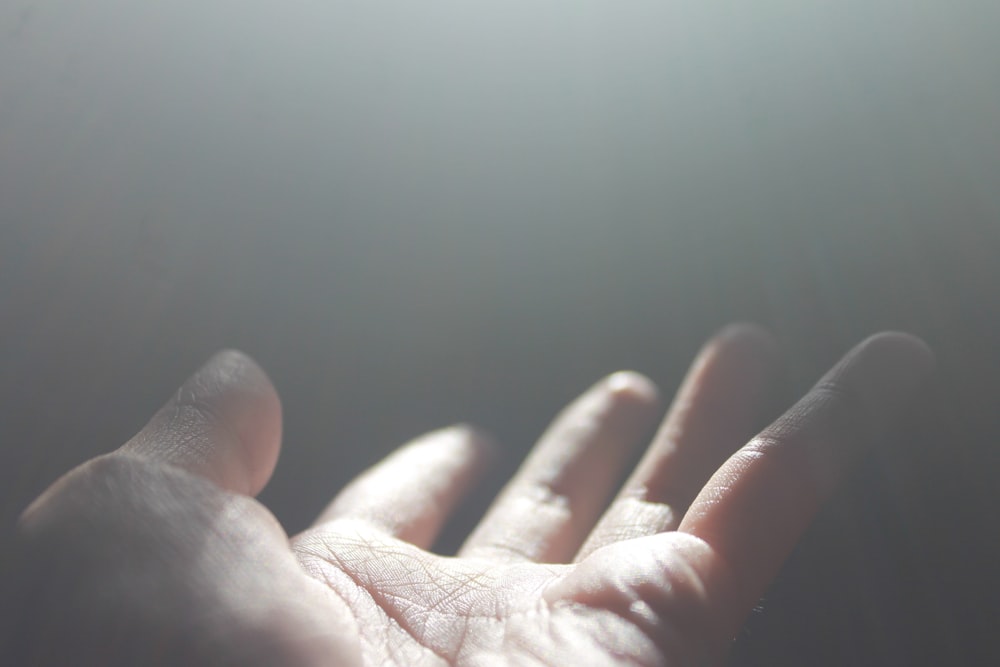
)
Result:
{"points": [[716, 410]]}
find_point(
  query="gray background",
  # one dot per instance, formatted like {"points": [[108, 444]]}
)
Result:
{"points": [[419, 213]]}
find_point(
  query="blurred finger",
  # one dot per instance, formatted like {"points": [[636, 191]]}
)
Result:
{"points": [[411, 493], [753, 510], [224, 423], [545, 511], [716, 411]]}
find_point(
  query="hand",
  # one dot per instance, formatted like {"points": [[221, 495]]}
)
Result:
{"points": [[157, 554]]}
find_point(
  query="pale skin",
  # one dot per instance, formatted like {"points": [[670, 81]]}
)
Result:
{"points": [[158, 554]]}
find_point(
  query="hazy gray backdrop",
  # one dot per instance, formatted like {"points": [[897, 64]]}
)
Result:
{"points": [[414, 213]]}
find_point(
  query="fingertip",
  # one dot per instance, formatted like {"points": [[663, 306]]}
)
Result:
{"points": [[741, 329], [901, 349], [470, 433], [470, 441], [884, 369], [223, 423], [248, 402], [633, 387], [740, 363], [747, 337], [412, 492], [232, 370], [759, 502]]}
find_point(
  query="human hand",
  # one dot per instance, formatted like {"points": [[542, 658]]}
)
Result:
{"points": [[157, 554]]}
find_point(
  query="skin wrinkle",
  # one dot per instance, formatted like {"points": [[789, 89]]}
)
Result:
{"points": [[192, 447], [315, 546], [601, 632], [209, 415], [223, 394], [545, 509], [619, 591], [332, 558], [195, 448], [540, 615], [846, 397], [635, 517], [321, 576], [404, 622]]}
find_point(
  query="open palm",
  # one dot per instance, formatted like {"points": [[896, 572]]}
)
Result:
{"points": [[157, 554]]}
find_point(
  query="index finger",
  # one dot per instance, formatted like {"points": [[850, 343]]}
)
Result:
{"points": [[756, 506]]}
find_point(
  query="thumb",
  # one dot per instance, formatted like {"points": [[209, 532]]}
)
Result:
{"points": [[224, 423]]}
